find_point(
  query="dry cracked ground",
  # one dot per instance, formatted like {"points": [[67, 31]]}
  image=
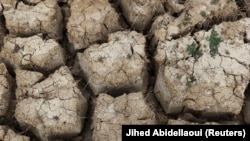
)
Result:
{"points": [[79, 69]]}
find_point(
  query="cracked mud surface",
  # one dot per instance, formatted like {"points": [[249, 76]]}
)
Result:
{"points": [[77, 70], [200, 81]]}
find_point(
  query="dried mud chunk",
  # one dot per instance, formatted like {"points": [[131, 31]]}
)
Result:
{"points": [[158, 28], [117, 66], [209, 75], [139, 13], [22, 75], [199, 16], [7, 4], [5, 90], [110, 113], [23, 84], [174, 6], [7, 134], [32, 52], [45, 17], [53, 108], [90, 22]]}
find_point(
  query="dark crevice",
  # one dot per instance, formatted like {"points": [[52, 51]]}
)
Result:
{"points": [[106, 27], [168, 9], [28, 3], [85, 89], [61, 3], [192, 116], [80, 50], [66, 13], [16, 4], [3, 30], [242, 5], [222, 118], [200, 117], [155, 105], [35, 68], [120, 91], [245, 38], [151, 99], [175, 15], [26, 35], [205, 26], [122, 19], [247, 91], [64, 42], [149, 25], [246, 100], [10, 120], [150, 53], [101, 41], [2, 7], [165, 6], [10, 69]]}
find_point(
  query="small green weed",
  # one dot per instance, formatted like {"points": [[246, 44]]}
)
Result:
{"points": [[214, 41], [129, 56], [100, 59], [203, 14], [194, 51]]}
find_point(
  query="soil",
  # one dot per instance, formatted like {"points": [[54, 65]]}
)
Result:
{"points": [[72, 48]]}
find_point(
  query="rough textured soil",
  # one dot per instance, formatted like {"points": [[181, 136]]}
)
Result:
{"points": [[79, 69]]}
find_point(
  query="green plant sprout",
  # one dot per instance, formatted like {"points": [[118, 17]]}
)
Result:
{"points": [[194, 51], [214, 41], [129, 56], [100, 59], [203, 14]]}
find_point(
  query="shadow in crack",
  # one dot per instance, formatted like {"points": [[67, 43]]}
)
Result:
{"points": [[245, 110], [247, 92]]}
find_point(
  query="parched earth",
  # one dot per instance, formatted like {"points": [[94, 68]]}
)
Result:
{"points": [[79, 69]]}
